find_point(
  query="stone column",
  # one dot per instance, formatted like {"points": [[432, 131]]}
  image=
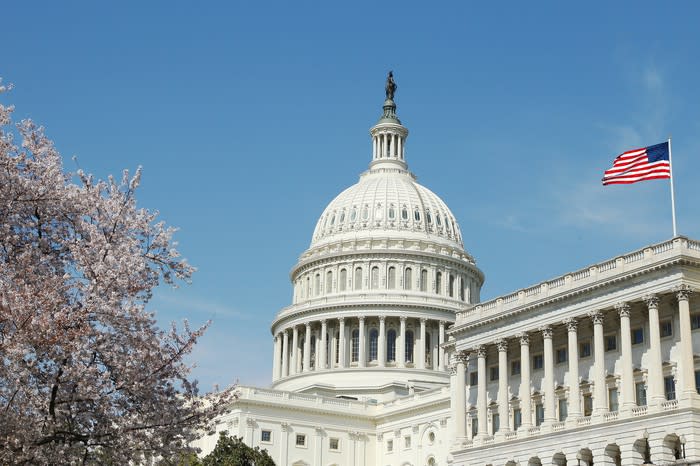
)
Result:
{"points": [[318, 444], [441, 350], [381, 343], [276, 358], [362, 353], [627, 400], [307, 348], [574, 401], [284, 447], [687, 365], [548, 380], [295, 346], [285, 353], [504, 425], [481, 390], [459, 409], [322, 349], [421, 347], [401, 347], [655, 378], [525, 390], [332, 353], [341, 347], [317, 356], [600, 404]]}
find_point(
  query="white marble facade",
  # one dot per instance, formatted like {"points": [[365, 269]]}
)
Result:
{"points": [[386, 355]]}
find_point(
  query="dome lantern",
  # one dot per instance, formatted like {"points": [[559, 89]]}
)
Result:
{"points": [[388, 135]]}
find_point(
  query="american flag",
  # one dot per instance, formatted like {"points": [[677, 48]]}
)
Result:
{"points": [[647, 163]]}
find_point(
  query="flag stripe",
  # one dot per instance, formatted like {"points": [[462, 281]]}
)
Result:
{"points": [[648, 163]]}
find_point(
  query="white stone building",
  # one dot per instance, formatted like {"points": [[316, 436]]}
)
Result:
{"points": [[387, 356]]}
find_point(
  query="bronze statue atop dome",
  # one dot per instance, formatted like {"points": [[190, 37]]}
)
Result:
{"points": [[390, 87]]}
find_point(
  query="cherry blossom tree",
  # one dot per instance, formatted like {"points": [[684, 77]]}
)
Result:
{"points": [[86, 375]]}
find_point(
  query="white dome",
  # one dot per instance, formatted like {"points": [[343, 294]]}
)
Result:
{"points": [[387, 202]]}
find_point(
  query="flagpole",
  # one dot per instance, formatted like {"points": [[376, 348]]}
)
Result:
{"points": [[673, 198]]}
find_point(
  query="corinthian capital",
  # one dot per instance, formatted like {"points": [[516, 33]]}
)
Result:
{"points": [[502, 344], [480, 351], [652, 301], [683, 292], [524, 338], [596, 317], [571, 324], [462, 357], [623, 309], [546, 331]]}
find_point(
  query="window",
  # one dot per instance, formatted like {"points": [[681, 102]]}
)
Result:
{"points": [[462, 292], [342, 217], [355, 353], [391, 345], [563, 411], [584, 349], [342, 280], [404, 214], [438, 219], [695, 321], [365, 213], [407, 441], [438, 282], [666, 328], [640, 393], [431, 438], [475, 426], [333, 220], [353, 214], [587, 404], [612, 399], [424, 280], [409, 346], [358, 278], [610, 343], [317, 284], [517, 418], [637, 335], [451, 285], [334, 444], [416, 215], [473, 378], [301, 440], [537, 362], [329, 281], [374, 280], [392, 212], [493, 373], [495, 423], [670, 388], [337, 347], [561, 355], [515, 367], [265, 436], [539, 414], [407, 278], [389, 446], [373, 344], [391, 278], [697, 381]]}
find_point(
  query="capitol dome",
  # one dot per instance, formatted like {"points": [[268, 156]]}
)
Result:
{"points": [[383, 278]]}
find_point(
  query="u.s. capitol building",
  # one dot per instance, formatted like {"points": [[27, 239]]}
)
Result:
{"points": [[387, 356]]}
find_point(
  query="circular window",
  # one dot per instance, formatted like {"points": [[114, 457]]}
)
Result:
{"points": [[431, 461], [431, 437]]}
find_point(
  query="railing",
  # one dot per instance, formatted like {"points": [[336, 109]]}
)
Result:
{"points": [[580, 275], [639, 411], [669, 405], [557, 426], [511, 435], [611, 416], [634, 257], [609, 265], [584, 421], [534, 430]]}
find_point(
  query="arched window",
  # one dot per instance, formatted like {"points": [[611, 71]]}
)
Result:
{"points": [[438, 283], [462, 291], [428, 354], [317, 284], [438, 219], [365, 212], [404, 213], [353, 214], [424, 280], [373, 344], [451, 286], [428, 217], [333, 219], [391, 278], [409, 346], [329, 281], [313, 350], [391, 345], [342, 217], [358, 278], [392, 212], [374, 278], [342, 280], [337, 347], [308, 287], [407, 278], [355, 353], [416, 215]]}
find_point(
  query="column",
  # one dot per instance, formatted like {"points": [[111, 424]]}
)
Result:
{"points": [[600, 405], [341, 346], [525, 390], [322, 349], [317, 356], [295, 346], [374, 147], [627, 400], [481, 390], [655, 378], [285, 354], [502, 346], [362, 351], [574, 401], [307, 348], [381, 342], [284, 447], [318, 445], [401, 347], [459, 410], [276, 358], [401, 148], [441, 350], [687, 364], [548, 381], [421, 348], [333, 351]]}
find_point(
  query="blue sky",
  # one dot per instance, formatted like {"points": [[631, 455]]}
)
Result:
{"points": [[249, 117]]}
